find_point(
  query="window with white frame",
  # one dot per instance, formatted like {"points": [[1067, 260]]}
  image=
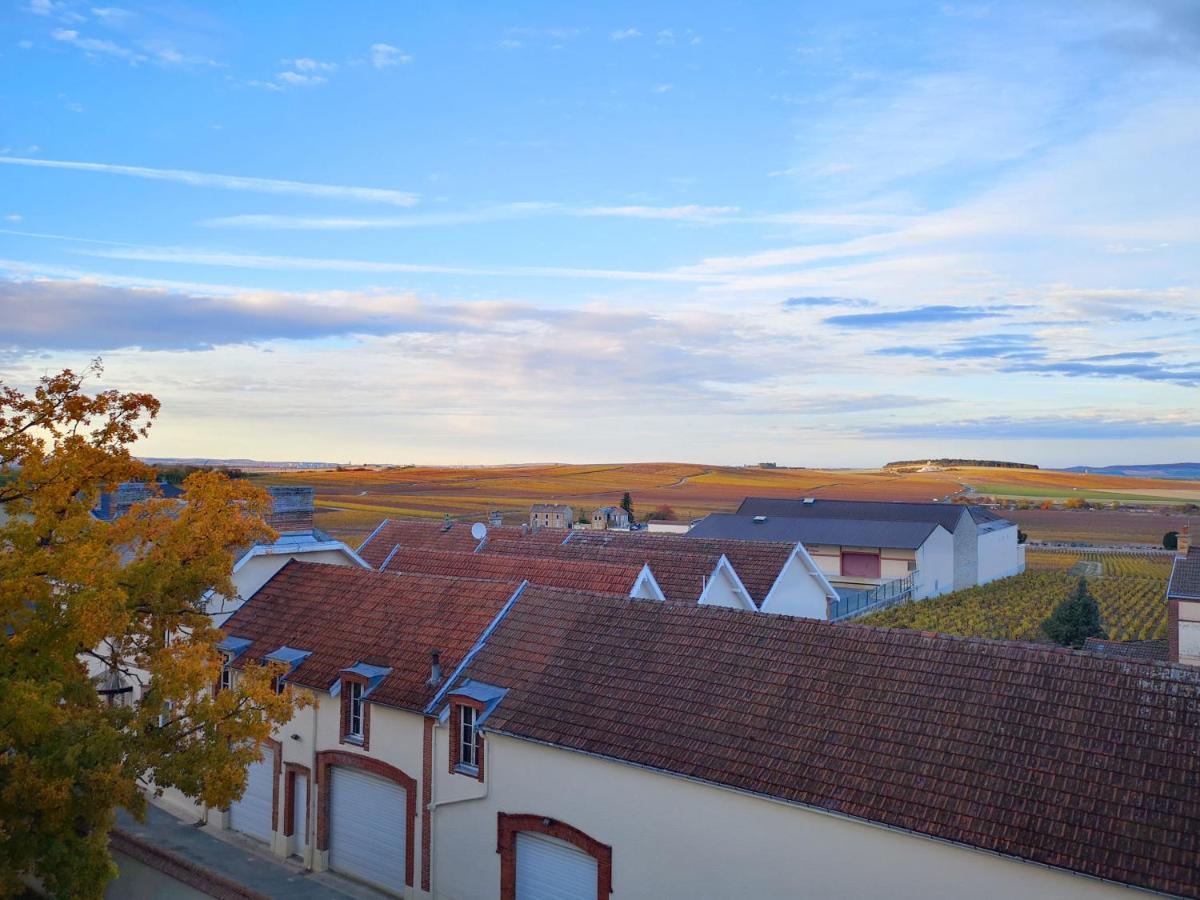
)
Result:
{"points": [[468, 739], [354, 692], [226, 673]]}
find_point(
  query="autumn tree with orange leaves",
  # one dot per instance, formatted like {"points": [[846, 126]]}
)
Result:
{"points": [[83, 601]]}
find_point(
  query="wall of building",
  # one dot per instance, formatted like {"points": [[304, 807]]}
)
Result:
{"points": [[722, 590], [936, 565], [797, 592], [966, 553], [673, 838], [999, 554], [1189, 632]]}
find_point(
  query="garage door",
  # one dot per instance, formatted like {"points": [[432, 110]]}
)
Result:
{"points": [[252, 814], [550, 869], [367, 821]]}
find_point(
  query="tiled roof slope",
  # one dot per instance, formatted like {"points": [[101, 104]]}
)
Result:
{"points": [[580, 575], [1159, 650], [812, 532], [1054, 756], [680, 575], [408, 533], [1185, 576], [348, 615], [758, 563], [948, 515]]}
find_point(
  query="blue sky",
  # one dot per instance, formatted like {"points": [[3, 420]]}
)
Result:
{"points": [[827, 234]]}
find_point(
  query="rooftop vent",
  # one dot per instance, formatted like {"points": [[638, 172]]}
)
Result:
{"points": [[435, 667], [758, 520]]}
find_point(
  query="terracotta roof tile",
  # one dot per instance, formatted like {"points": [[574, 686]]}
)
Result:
{"points": [[1058, 757], [409, 533], [581, 575], [345, 615]]}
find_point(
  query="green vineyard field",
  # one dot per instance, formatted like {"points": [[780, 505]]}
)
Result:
{"points": [[1131, 594]]}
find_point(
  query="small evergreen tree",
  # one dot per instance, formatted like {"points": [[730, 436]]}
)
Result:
{"points": [[1075, 619], [627, 505], [1171, 540]]}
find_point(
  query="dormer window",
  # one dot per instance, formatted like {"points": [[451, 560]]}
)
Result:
{"points": [[468, 738], [354, 698]]}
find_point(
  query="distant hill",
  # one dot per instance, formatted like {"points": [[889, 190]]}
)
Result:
{"points": [[1185, 471], [207, 463], [980, 463]]}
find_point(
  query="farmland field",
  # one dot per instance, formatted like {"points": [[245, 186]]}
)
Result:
{"points": [[1131, 592], [351, 503]]}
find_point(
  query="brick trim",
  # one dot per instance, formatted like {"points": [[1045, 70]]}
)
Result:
{"points": [[277, 747], [510, 825], [292, 771], [456, 731], [426, 798], [326, 759], [344, 728]]}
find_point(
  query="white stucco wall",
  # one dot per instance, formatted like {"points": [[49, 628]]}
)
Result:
{"points": [[796, 592], [999, 554], [721, 590], [935, 565], [673, 838], [1189, 632]]}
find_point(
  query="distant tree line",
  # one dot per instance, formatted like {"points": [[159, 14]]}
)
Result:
{"points": [[981, 463], [176, 474]]}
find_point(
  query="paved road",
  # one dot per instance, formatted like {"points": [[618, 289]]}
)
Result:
{"points": [[239, 860]]}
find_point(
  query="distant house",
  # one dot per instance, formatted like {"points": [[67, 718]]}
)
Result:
{"points": [[551, 515], [1183, 602], [115, 503], [983, 546], [610, 517]]}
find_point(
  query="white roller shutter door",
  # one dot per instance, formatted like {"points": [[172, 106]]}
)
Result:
{"points": [[550, 869], [368, 818], [252, 814]]}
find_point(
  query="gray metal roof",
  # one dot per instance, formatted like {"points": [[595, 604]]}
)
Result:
{"points": [[948, 515], [842, 532], [1185, 576]]}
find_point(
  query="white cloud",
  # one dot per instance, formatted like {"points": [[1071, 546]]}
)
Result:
{"points": [[25, 45], [385, 55], [110, 13], [307, 64], [13, 217], [625, 33], [55, 10], [662, 88], [298, 79], [228, 182], [95, 46]]}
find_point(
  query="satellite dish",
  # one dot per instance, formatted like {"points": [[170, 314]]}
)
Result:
{"points": [[479, 531]]}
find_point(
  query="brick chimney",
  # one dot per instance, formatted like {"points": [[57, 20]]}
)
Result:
{"points": [[291, 508], [1183, 542]]}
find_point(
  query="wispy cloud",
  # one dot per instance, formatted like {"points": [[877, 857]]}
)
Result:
{"points": [[227, 182], [1097, 426], [819, 302], [624, 34], [384, 56]]}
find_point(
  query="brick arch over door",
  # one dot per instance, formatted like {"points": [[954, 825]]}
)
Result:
{"points": [[326, 759], [510, 826]]}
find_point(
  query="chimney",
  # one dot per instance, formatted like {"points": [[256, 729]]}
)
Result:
{"points": [[435, 667], [291, 508], [446, 521], [495, 519], [1183, 542]]}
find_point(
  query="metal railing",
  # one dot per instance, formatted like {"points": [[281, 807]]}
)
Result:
{"points": [[857, 603]]}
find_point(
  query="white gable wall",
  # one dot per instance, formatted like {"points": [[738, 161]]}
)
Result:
{"points": [[999, 554], [797, 591], [723, 588], [935, 565]]}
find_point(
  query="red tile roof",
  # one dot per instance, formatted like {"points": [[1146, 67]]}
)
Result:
{"points": [[346, 615], [681, 576], [580, 575], [1059, 757], [408, 533], [758, 563]]}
